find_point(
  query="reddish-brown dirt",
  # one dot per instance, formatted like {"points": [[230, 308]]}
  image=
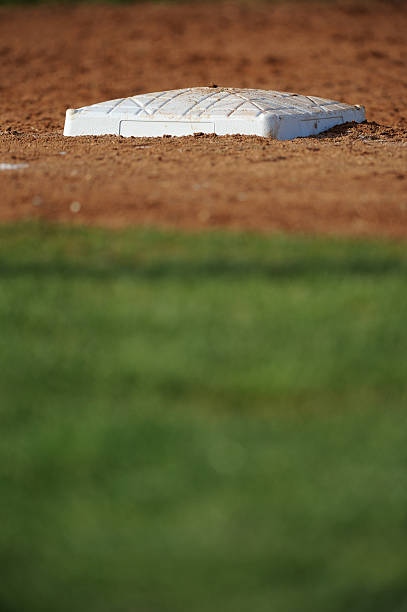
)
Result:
{"points": [[353, 180]]}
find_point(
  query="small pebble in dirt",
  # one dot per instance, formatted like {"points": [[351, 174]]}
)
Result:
{"points": [[37, 200], [62, 152], [75, 207]]}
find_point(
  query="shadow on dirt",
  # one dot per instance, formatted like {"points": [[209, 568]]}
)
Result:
{"points": [[368, 130]]}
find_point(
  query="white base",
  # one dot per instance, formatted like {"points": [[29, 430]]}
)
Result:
{"points": [[209, 110]]}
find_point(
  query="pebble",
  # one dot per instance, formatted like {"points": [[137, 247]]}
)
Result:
{"points": [[75, 207]]}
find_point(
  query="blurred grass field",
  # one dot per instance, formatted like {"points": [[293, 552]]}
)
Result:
{"points": [[201, 422]]}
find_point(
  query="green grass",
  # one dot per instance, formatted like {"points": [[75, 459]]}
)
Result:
{"points": [[201, 423]]}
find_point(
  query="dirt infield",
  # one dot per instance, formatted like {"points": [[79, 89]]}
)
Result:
{"points": [[353, 180]]}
